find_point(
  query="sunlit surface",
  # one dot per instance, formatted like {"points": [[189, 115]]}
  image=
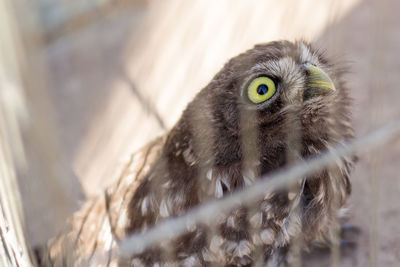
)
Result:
{"points": [[116, 80]]}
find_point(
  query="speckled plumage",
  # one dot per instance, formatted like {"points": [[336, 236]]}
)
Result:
{"points": [[223, 143]]}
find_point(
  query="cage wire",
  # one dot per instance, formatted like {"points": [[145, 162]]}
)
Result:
{"points": [[84, 84]]}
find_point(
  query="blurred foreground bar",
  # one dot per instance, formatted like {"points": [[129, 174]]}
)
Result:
{"points": [[30, 165]]}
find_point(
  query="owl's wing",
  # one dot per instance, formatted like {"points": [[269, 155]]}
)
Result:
{"points": [[91, 235]]}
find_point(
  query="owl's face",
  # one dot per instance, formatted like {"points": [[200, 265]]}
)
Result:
{"points": [[276, 101], [294, 76]]}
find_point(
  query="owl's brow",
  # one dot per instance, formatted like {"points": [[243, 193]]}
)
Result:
{"points": [[278, 68]]}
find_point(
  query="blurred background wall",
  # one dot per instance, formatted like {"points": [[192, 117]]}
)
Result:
{"points": [[118, 73]]}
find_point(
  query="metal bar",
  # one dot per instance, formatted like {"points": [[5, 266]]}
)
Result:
{"points": [[204, 214]]}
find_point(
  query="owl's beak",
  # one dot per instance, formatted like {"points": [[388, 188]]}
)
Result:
{"points": [[318, 82]]}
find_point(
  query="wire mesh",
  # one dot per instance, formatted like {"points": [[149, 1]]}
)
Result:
{"points": [[118, 74]]}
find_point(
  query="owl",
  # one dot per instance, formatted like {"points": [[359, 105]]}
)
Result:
{"points": [[274, 105]]}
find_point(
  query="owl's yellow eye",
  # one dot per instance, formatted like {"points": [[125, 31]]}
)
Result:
{"points": [[261, 89]]}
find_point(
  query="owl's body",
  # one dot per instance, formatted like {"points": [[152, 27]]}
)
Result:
{"points": [[228, 137]]}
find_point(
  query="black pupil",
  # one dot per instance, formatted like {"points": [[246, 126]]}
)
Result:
{"points": [[262, 89]]}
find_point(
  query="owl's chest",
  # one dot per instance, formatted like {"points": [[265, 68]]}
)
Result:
{"points": [[233, 237]]}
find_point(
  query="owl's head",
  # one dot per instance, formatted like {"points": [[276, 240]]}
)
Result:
{"points": [[272, 104]]}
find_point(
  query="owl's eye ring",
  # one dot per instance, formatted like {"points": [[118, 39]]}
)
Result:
{"points": [[261, 89]]}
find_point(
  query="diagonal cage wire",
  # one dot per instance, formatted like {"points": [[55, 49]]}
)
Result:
{"points": [[173, 227]]}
